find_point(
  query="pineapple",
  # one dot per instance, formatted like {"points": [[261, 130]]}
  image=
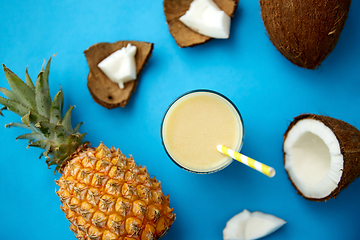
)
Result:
{"points": [[104, 194]]}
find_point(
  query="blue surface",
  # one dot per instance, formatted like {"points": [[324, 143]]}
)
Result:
{"points": [[268, 90]]}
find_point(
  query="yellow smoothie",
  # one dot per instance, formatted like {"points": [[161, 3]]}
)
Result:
{"points": [[195, 124]]}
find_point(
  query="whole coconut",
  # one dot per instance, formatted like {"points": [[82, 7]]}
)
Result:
{"points": [[304, 31]]}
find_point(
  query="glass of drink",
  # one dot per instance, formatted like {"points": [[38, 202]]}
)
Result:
{"points": [[193, 126]]}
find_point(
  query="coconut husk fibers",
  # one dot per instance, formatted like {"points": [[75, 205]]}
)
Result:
{"points": [[349, 140], [304, 31], [104, 91], [184, 36]]}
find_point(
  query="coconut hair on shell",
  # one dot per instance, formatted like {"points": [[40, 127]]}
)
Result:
{"points": [[304, 31]]}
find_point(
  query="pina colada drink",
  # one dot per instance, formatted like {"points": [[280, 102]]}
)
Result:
{"points": [[195, 124]]}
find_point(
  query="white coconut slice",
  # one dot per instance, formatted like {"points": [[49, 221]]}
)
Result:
{"points": [[315, 151], [120, 66], [251, 225], [206, 18]]}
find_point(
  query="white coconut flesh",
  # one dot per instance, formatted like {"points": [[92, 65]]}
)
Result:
{"points": [[313, 158], [206, 18], [251, 225]]}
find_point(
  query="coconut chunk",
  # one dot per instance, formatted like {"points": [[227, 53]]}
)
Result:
{"points": [[120, 66], [104, 91], [206, 18], [251, 225], [183, 35]]}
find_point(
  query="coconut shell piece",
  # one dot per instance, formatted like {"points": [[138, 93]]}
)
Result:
{"points": [[104, 91], [304, 31], [184, 36], [349, 140]]}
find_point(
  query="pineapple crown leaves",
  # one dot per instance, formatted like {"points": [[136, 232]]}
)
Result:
{"points": [[49, 129]]}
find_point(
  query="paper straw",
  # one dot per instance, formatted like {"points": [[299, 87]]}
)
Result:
{"points": [[268, 171]]}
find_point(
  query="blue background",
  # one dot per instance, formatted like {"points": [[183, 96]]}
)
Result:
{"points": [[268, 90]]}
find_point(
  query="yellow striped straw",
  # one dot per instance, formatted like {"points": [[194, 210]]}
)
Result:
{"points": [[268, 171]]}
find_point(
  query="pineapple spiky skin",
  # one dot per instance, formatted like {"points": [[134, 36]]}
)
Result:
{"points": [[107, 196], [104, 194]]}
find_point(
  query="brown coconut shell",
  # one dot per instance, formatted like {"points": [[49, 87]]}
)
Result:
{"points": [[104, 91], [349, 140], [304, 31], [184, 36]]}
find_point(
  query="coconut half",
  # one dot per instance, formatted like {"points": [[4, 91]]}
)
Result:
{"points": [[321, 155], [251, 225]]}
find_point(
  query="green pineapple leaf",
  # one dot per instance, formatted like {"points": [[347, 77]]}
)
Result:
{"points": [[56, 108], [31, 137], [60, 134], [16, 124], [49, 129], [32, 118], [26, 119], [28, 81], [46, 74], [9, 94], [14, 106], [66, 122], [22, 92], [41, 143], [42, 96], [77, 127]]}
